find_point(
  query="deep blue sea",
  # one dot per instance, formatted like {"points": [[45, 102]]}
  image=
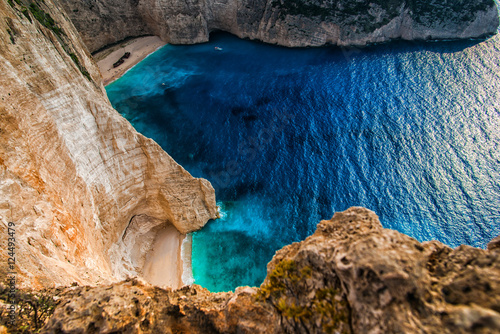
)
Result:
{"points": [[289, 136]]}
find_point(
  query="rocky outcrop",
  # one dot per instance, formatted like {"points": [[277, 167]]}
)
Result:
{"points": [[284, 22], [494, 244], [73, 172], [136, 307], [351, 276]]}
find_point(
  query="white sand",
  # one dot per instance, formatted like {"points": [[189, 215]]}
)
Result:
{"points": [[163, 266], [139, 48]]}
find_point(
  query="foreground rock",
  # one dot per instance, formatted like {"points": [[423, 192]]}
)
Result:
{"points": [[284, 22], [351, 276], [73, 172]]}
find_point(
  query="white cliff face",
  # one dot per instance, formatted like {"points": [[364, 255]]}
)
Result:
{"points": [[73, 172], [293, 23]]}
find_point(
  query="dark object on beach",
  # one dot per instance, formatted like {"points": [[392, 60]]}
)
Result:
{"points": [[118, 63], [121, 60]]}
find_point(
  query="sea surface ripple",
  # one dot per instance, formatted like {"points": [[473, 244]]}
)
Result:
{"points": [[289, 136]]}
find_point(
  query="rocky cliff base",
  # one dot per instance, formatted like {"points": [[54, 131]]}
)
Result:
{"points": [[351, 276], [285, 22]]}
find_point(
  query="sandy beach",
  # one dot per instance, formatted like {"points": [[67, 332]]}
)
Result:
{"points": [[139, 48], [164, 266]]}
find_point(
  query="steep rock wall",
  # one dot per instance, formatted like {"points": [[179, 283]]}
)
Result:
{"points": [[107, 22], [73, 172], [284, 22]]}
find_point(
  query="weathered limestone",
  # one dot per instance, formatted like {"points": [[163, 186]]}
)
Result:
{"points": [[494, 244], [73, 172]]}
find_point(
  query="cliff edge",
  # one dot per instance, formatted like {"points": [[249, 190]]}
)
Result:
{"points": [[83, 189], [294, 23], [350, 276]]}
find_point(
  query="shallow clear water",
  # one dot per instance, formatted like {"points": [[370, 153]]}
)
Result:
{"points": [[289, 136]]}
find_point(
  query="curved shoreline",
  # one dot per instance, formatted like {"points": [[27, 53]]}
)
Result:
{"points": [[139, 49]]}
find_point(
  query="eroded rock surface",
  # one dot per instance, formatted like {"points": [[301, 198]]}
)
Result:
{"points": [[351, 276], [284, 22], [73, 172]]}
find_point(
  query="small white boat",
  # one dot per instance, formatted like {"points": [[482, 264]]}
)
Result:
{"points": [[218, 48]]}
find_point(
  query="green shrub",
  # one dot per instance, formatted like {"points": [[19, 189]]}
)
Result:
{"points": [[285, 276], [332, 311], [33, 309], [293, 311], [11, 35], [82, 68], [26, 13], [45, 19]]}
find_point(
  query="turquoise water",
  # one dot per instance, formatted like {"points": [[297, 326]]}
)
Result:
{"points": [[289, 136]]}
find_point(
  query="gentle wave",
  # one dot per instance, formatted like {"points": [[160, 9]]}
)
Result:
{"points": [[187, 270]]}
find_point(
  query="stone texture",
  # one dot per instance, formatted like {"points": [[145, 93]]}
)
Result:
{"points": [[284, 22], [494, 244], [107, 22], [351, 276], [136, 307], [73, 172]]}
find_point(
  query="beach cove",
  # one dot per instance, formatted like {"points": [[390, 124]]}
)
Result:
{"points": [[139, 49], [307, 132]]}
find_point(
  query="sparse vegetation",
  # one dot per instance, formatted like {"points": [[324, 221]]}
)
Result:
{"points": [[27, 7], [283, 283], [353, 13], [300, 7], [284, 276], [45, 19], [293, 311], [26, 13], [333, 310], [359, 14], [11, 35], [286, 289], [33, 8], [436, 11], [82, 68], [33, 310]]}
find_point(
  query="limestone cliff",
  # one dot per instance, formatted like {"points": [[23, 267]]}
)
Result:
{"points": [[284, 22], [351, 276], [73, 172]]}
